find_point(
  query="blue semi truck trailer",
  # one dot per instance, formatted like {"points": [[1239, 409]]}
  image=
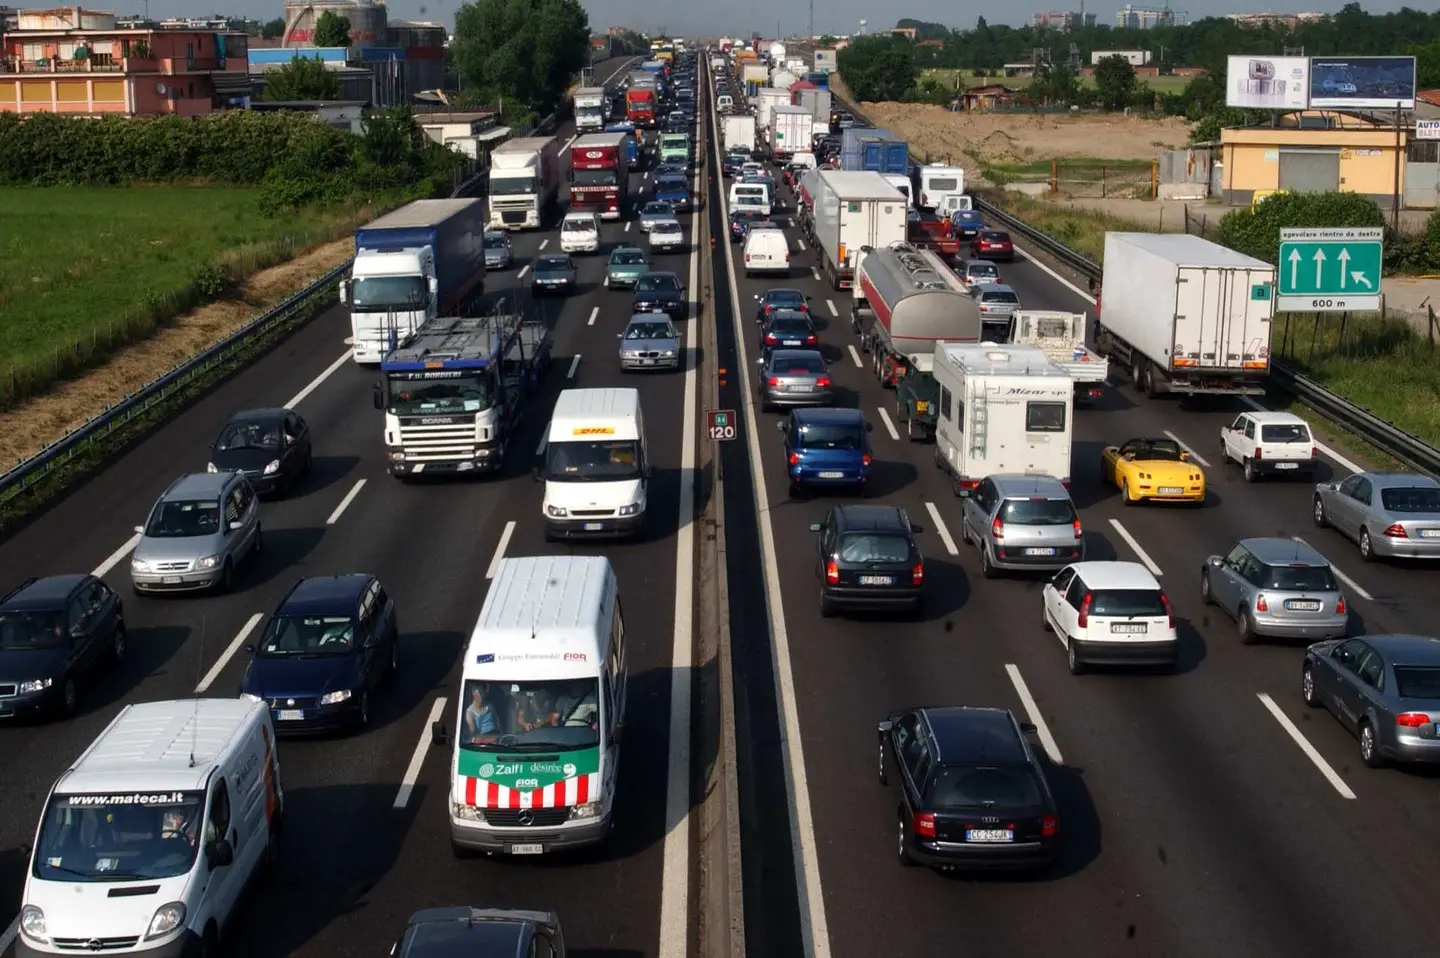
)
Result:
{"points": [[880, 151]]}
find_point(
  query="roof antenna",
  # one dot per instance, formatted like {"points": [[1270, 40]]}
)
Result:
{"points": [[195, 714]]}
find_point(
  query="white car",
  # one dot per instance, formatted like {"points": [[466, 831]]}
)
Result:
{"points": [[580, 233], [1266, 443], [767, 250], [667, 236], [1110, 613]]}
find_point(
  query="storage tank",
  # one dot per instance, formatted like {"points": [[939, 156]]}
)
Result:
{"points": [[782, 79], [369, 22]]}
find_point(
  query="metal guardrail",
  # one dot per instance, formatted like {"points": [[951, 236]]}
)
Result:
{"points": [[1385, 436]]}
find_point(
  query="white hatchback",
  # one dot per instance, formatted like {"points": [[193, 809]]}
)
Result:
{"points": [[580, 233], [1266, 443], [1110, 613]]}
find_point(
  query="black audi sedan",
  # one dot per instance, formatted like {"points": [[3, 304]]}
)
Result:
{"points": [[56, 633], [660, 293], [867, 559], [970, 793], [271, 446]]}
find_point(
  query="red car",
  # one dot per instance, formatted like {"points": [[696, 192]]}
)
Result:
{"points": [[992, 244]]}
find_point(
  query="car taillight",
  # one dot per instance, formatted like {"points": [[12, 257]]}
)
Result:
{"points": [[917, 574], [1397, 531], [925, 824], [1084, 619], [747, 257], [811, 341], [773, 381], [1078, 534], [823, 382], [1259, 453], [832, 572], [770, 338], [997, 529], [1340, 607], [1169, 612], [769, 308], [1262, 604], [1314, 452], [865, 459], [793, 459], [803, 307], [1050, 826], [1412, 719]]}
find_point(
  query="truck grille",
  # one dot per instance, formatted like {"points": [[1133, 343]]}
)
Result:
{"points": [[512, 217], [539, 817], [437, 443], [95, 944]]}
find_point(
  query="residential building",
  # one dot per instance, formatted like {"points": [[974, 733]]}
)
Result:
{"points": [[1143, 18], [1062, 20]]}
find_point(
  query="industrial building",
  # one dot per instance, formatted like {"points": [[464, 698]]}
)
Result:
{"points": [[403, 56], [1143, 18]]}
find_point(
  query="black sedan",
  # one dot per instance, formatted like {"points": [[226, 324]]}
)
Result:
{"points": [[660, 292], [740, 222], [776, 299], [271, 446], [731, 164], [553, 273], [867, 559], [788, 328], [970, 791], [55, 633]]}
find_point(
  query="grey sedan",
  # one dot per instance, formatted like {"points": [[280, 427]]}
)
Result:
{"points": [[1276, 587], [1389, 514], [1383, 688], [793, 377], [553, 273], [650, 341], [499, 254], [655, 211]]}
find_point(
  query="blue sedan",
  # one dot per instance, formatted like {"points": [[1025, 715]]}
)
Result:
{"points": [[826, 448]]}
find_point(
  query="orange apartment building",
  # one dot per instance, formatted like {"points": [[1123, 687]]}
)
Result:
{"points": [[76, 61]]}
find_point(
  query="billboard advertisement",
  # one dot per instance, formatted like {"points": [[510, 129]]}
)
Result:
{"points": [[1362, 83], [1267, 83]]}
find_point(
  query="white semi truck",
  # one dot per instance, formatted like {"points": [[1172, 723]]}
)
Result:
{"points": [[852, 210], [525, 180], [589, 103]]}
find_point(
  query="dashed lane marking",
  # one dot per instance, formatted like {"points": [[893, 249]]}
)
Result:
{"points": [[1037, 718], [349, 498], [229, 653], [417, 758], [574, 365], [1187, 447], [1310, 751], [889, 425], [941, 529], [855, 355], [833, 311], [1140, 553], [500, 549], [314, 384]]}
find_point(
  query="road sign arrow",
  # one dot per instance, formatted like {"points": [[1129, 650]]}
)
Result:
{"points": [[1361, 278], [1344, 259], [1294, 268], [1319, 259]]}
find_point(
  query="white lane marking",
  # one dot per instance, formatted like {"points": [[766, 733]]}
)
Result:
{"points": [[1314, 756], [103, 569], [574, 365], [523, 270], [1042, 729], [814, 928], [1350, 583], [349, 340], [540, 449], [8, 939], [314, 384], [417, 759], [349, 498], [1140, 553], [544, 243], [1187, 447], [941, 529], [800, 243], [1325, 450], [229, 653], [855, 355], [889, 426], [628, 223], [594, 312], [568, 142], [500, 549], [833, 311], [675, 862], [1057, 277], [815, 272]]}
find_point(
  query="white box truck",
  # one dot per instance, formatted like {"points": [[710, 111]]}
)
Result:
{"points": [[590, 109], [852, 210], [1003, 409], [1184, 315], [768, 99], [790, 132], [739, 131], [525, 177], [1061, 336]]}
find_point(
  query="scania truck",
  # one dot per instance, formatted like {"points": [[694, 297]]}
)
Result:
{"points": [[589, 105], [525, 179]]}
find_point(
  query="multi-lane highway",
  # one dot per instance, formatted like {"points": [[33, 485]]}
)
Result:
{"points": [[366, 842], [1205, 813]]}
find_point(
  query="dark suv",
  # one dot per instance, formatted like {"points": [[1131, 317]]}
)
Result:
{"points": [[53, 632], [969, 790], [867, 559], [465, 932]]}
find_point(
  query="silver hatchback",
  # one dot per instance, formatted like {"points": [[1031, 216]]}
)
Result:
{"points": [[793, 377], [203, 526], [1280, 588], [1020, 522]]}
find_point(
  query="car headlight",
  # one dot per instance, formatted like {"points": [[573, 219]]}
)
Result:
{"points": [[272, 467], [32, 924], [556, 512], [335, 698], [629, 353], [668, 353], [633, 509], [250, 697], [465, 812], [397, 456], [34, 685], [167, 919], [588, 810], [139, 565], [210, 467], [208, 562]]}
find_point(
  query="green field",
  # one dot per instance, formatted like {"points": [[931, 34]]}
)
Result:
{"points": [[1161, 84], [77, 262]]}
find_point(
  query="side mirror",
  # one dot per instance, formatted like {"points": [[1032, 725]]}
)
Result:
{"points": [[884, 727], [814, 527], [439, 734], [646, 470], [1184, 456], [1028, 727], [377, 396], [140, 529], [219, 853], [757, 297], [783, 425], [760, 361], [809, 298], [869, 427], [249, 648], [916, 528], [537, 474], [236, 526], [434, 285], [345, 292], [1214, 562]]}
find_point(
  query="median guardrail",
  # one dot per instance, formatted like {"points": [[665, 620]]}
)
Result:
{"points": [[1385, 436]]}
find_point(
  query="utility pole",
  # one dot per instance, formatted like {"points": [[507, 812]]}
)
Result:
{"points": [[811, 26], [1395, 193]]}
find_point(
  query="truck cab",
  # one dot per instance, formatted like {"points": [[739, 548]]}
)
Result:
{"points": [[391, 293]]}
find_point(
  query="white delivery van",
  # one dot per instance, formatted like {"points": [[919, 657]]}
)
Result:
{"points": [[767, 251], [595, 465], [149, 838], [750, 196], [724, 102], [1002, 409], [542, 703]]}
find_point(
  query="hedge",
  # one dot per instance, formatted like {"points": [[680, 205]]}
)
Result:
{"points": [[1255, 231]]}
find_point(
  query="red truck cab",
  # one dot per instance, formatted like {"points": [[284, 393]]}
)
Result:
{"points": [[599, 174], [929, 231], [640, 107]]}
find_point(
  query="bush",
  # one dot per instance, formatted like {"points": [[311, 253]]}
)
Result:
{"points": [[1255, 231]]}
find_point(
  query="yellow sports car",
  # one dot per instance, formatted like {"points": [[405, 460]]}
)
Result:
{"points": [[1153, 469]]}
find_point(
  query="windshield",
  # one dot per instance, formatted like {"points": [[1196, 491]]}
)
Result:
{"points": [[657, 208], [547, 264], [121, 837], [832, 437], [578, 226], [1285, 432], [307, 637], [1127, 602], [507, 183], [373, 293], [496, 242], [982, 272], [439, 393], [32, 630], [1160, 451], [658, 284], [665, 226], [249, 435], [945, 184], [1000, 297], [786, 324], [594, 178], [649, 330], [671, 183], [538, 715], [628, 257], [994, 236], [747, 200], [184, 518], [1037, 512], [1413, 499], [1300, 578], [963, 786], [1417, 682], [873, 547], [610, 460]]}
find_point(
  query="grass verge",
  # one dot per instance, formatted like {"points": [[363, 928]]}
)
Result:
{"points": [[85, 271], [1083, 232]]}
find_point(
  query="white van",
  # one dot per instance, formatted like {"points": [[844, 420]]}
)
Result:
{"points": [[580, 233], [542, 704], [596, 465], [724, 102], [149, 838], [767, 251], [750, 196]]}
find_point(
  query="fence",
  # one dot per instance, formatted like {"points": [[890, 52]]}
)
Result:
{"points": [[1080, 179]]}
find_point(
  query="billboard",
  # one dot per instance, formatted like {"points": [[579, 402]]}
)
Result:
{"points": [[1267, 83], [1363, 83]]}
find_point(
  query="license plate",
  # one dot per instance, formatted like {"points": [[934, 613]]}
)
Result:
{"points": [[1287, 465], [989, 835], [801, 389], [1039, 552], [1302, 605], [1171, 490], [1129, 628], [594, 526], [647, 362], [290, 715], [170, 580], [832, 475], [530, 849], [922, 406], [1429, 533], [874, 580]]}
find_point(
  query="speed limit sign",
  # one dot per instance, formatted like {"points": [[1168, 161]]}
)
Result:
{"points": [[721, 424]]}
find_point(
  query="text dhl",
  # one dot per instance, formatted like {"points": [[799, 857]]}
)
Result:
{"points": [[593, 431]]}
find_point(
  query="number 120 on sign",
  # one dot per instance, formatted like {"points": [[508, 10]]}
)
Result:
{"points": [[721, 424]]}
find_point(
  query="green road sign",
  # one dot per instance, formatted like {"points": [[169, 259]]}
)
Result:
{"points": [[1329, 270]]}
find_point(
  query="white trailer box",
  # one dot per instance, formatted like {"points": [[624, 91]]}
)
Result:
{"points": [[1003, 409], [739, 131], [1185, 315], [765, 102], [791, 130], [854, 209], [756, 73], [783, 79]]}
